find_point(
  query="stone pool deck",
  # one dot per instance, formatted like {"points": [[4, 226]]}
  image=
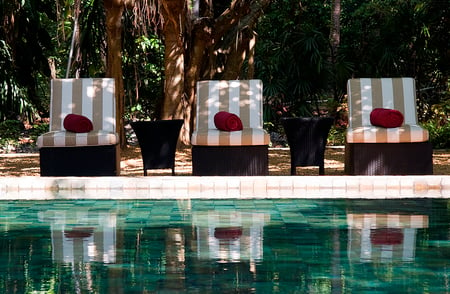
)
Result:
{"points": [[188, 187]]}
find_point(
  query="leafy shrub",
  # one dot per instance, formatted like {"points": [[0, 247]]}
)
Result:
{"points": [[439, 125], [336, 136], [11, 129], [439, 134], [14, 137], [37, 130]]}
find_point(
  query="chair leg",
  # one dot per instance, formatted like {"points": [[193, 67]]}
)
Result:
{"points": [[321, 170], [145, 172], [293, 170], [173, 171]]}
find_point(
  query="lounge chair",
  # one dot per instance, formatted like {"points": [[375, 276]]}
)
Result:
{"points": [[222, 153], [69, 153], [375, 150]]}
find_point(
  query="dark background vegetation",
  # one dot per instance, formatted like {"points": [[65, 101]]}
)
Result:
{"points": [[301, 73]]}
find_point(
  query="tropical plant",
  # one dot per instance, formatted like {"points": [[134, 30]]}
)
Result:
{"points": [[24, 46], [293, 57], [161, 58]]}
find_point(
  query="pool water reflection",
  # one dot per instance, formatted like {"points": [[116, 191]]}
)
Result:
{"points": [[225, 246]]}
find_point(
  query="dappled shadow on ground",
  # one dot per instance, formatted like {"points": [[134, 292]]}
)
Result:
{"points": [[16, 165]]}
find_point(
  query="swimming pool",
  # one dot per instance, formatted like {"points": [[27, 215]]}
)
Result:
{"points": [[225, 246]]}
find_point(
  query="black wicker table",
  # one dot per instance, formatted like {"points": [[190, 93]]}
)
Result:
{"points": [[158, 142], [307, 139]]}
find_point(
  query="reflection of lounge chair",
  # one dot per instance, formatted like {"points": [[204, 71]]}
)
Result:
{"points": [[81, 236], [94, 153], [377, 237], [240, 153], [372, 150], [230, 236]]}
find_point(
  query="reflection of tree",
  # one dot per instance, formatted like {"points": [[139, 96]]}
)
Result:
{"points": [[25, 258], [175, 259]]}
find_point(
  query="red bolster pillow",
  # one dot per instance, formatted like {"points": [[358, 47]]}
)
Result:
{"points": [[77, 123], [388, 236], [226, 121], [386, 118], [230, 233]]}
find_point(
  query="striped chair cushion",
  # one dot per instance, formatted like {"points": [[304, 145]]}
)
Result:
{"points": [[93, 98], [394, 93], [246, 137], [243, 98], [69, 139]]}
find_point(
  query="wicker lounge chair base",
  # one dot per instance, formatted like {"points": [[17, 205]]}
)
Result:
{"points": [[80, 161], [158, 142], [230, 160], [389, 158]]}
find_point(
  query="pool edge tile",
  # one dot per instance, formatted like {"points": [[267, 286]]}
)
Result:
{"points": [[270, 187]]}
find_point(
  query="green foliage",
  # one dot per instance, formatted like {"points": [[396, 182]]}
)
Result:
{"points": [[398, 38], [378, 38], [439, 135], [291, 56], [143, 72], [14, 137], [11, 129], [439, 125], [91, 61], [336, 136], [25, 43], [37, 130]]}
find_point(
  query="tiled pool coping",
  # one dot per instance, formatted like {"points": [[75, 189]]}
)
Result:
{"points": [[187, 187]]}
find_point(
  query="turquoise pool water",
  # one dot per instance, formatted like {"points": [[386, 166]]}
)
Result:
{"points": [[225, 246]]}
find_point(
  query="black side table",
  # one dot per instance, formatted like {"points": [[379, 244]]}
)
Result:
{"points": [[158, 142], [307, 138]]}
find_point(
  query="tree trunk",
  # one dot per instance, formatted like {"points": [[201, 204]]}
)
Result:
{"points": [[174, 13], [114, 10], [335, 31], [335, 40], [206, 48], [201, 38]]}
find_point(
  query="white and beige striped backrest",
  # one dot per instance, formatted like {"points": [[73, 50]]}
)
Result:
{"points": [[93, 98], [243, 98], [394, 93]]}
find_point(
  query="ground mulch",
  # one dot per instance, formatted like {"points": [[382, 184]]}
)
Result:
{"points": [[27, 164]]}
